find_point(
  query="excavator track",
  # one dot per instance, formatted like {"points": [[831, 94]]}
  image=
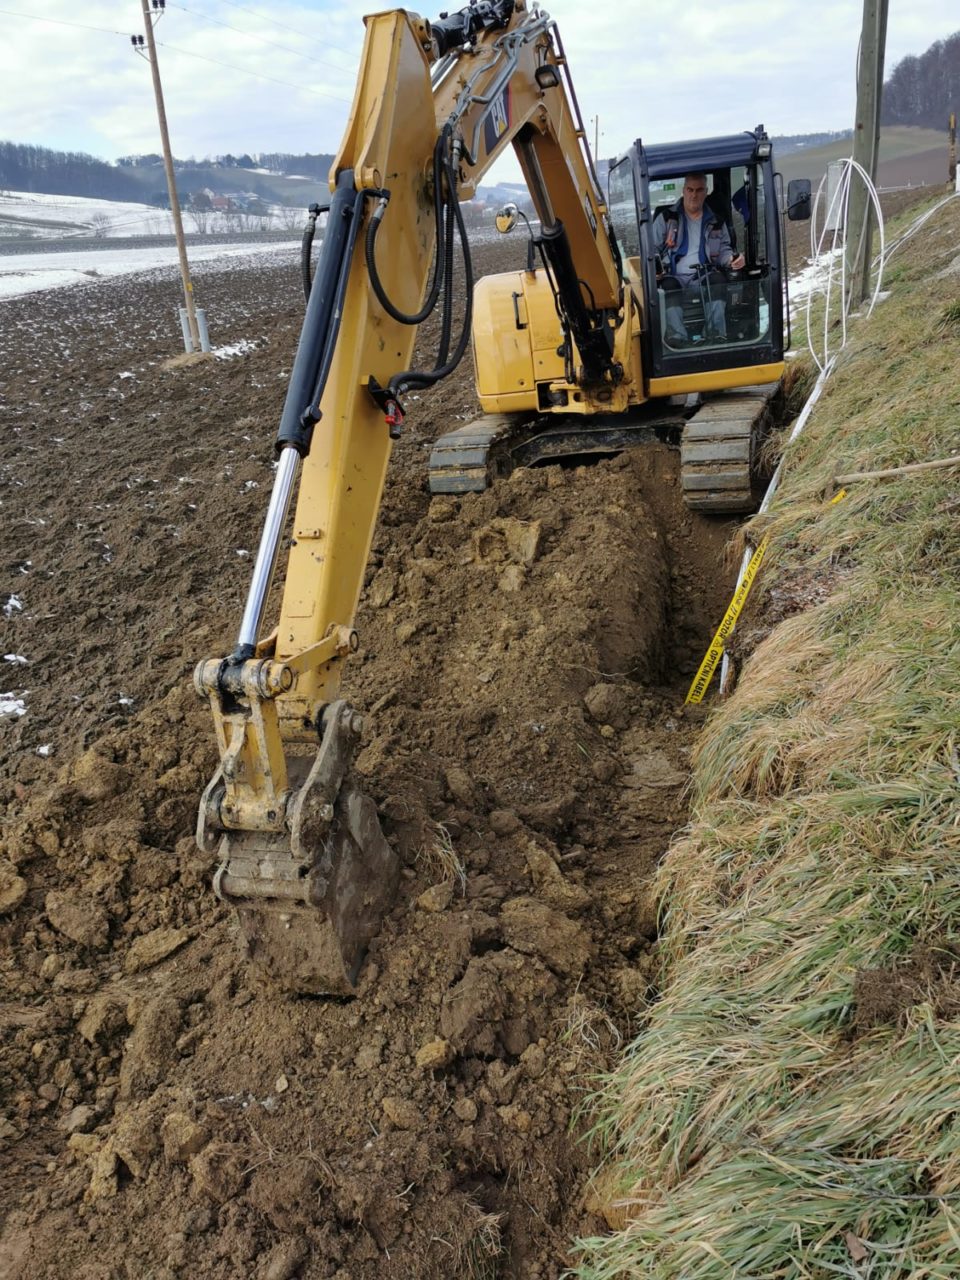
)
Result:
{"points": [[473, 457], [718, 452], [718, 446]]}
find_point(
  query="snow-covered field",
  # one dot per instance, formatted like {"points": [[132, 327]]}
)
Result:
{"points": [[46, 217], [31, 272], [55, 217]]}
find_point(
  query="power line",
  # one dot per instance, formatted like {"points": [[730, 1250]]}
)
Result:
{"points": [[305, 88], [273, 21], [60, 22], [85, 26], [252, 35]]}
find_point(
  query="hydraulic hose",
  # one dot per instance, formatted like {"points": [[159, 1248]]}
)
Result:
{"points": [[447, 216], [416, 378], [370, 242]]}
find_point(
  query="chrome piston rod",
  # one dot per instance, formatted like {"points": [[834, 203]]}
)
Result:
{"points": [[266, 561]]}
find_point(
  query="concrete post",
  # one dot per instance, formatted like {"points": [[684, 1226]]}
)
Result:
{"points": [[187, 335], [171, 180], [204, 332]]}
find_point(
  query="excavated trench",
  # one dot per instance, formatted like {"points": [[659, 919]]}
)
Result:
{"points": [[524, 656]]}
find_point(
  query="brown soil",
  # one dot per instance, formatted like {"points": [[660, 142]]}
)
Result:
{"points": [[524, 658], [885, 997]]}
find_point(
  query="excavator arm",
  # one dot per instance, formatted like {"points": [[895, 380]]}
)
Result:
{"points": [[301, 855]]}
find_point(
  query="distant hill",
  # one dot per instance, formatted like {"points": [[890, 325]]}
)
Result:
{"points": [[908, 157], [278, 177], [924, 90], [62, 173], [785, 144]]}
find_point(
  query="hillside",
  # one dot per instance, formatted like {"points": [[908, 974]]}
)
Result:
{"points": [[908, 156], [788, 1107]]}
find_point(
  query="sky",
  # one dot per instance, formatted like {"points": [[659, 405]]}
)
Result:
{"points": [[278, 75]]}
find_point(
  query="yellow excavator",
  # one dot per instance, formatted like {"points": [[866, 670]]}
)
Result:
{"points": [[572, 356]]}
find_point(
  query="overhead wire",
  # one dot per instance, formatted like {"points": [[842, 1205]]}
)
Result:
{"points": [[63, 22], [252, 35], [293, 30], [217, 62], [229, 66]]}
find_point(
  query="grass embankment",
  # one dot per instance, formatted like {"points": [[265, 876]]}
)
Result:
{"points": [[792, 1106]]}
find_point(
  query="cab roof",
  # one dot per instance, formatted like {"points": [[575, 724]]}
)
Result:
{"points": [[667, 159]]}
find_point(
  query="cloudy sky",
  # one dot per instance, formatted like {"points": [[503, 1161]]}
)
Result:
{"points": [[278, 75]]}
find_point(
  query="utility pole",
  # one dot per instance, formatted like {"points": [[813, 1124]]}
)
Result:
{"points": [[866, 145], [952, 153], [194, 330]]}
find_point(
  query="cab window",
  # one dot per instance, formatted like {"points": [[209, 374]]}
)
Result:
{"points": [[622, 203]]}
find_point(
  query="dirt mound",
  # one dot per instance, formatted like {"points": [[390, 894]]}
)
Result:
{"points": [[521, 671]]}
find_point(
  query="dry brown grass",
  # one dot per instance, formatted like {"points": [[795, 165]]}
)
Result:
{"points": [[755, 1129]]}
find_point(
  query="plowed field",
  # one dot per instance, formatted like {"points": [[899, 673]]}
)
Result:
{"points": [[524, 655]]}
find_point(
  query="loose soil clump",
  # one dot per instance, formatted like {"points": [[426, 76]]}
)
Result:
{"points": [[522, 667]]}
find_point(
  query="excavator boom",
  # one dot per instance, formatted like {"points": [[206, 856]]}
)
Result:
{"points": [[301, 855]]}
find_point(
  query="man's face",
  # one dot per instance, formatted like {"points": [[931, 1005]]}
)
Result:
{"points": [[694, 194]]}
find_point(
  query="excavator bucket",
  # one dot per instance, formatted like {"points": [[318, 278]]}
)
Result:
{"points": [[310, 895], [313, 944]]}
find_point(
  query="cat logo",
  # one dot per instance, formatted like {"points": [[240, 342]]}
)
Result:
{"points": [[497, 120]]}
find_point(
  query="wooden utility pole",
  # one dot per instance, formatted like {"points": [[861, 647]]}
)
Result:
{"points": [[952, 153], [866, 145], [171, 180]]}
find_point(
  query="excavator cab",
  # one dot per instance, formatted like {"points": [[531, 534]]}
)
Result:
{"points": [[724, 320]]}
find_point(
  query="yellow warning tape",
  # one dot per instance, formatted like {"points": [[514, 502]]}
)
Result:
{"points": [[701, 681]]}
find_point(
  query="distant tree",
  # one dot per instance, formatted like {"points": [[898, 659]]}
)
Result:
{"points": [[32, 168], [291, 216], [201, 211], [924, 90]]}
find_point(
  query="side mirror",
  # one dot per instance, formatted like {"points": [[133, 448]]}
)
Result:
{"points": [[798, 200], [507, 218]]}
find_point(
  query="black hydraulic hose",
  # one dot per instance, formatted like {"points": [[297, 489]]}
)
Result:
{"points": [[371, 239], [412, 378], [306, 246], [306, 250], [447, 323], [322, 321], [311, 413]]}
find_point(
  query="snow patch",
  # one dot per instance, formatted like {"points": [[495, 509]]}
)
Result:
{"points": [[11, 707], [234, 349]]}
